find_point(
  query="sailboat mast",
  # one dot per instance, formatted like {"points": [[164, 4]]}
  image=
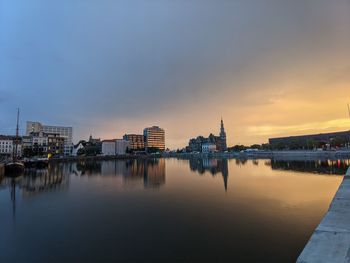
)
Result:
{"points": [[17, 134]]}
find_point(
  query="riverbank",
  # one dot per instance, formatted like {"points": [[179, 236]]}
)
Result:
{"points": [[103, 158], [276, 155], [330, 241]]}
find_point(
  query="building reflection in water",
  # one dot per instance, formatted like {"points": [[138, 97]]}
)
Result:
{"points": [[36, 181], [338, 167], [147, 172], [214, 166]]}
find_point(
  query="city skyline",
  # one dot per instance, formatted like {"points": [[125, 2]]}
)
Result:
{"points": [[269, 69]]}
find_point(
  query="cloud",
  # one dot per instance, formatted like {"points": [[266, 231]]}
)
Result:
{"points": [[272, 130], [106, 67]]}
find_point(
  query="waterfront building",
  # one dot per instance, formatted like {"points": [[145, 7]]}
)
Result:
{"points": [[323, 140], [114, 147], [64, 132], [221, 140], [196, 144], [154, 138], [43, 143], [78, 148], [208, 147], [121, 146], [35, 144], [7, 145], [136, 141], [91, 147], [55, 144], [108, 147]]}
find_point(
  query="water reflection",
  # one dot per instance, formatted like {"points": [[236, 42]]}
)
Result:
{"points": [[338, 167], [150, 172], [214, 166], [35, 182], [266, 214]]}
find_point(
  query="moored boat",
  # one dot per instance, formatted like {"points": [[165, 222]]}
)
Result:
{"points": [[14, 168], [36, 162]]}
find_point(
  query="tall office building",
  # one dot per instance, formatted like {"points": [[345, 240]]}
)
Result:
{"points": [[64, 132], [154, 138]]}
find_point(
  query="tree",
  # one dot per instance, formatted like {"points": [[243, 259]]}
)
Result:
{"points": [[255, 146]]}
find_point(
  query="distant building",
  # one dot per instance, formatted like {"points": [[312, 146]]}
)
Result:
{"points": [[136, 141], [195, 144], [35, 144], [221, 141], [114, 147], [108, 147], [64, 132], [78, 147], [311, 141], [94, 141], [43, 143], [91, 147], [208, 147], [55, 144], [154, 138], [121, 146], [7, 146]]}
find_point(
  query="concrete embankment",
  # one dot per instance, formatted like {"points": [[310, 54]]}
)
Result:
{"points": [[309, 155], [2, 169], [330, 241], [104, 158], [276, 155]]}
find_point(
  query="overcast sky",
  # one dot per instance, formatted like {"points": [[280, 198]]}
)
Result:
{"points": [[107, 67]]}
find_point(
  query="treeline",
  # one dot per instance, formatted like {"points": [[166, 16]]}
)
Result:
{"points": [[239, 148]]}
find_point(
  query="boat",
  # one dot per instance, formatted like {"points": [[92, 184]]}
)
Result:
{"points": [[15, 167], [38, 162]]}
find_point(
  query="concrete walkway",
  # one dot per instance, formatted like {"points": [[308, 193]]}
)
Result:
{"points": [[331, 240]]}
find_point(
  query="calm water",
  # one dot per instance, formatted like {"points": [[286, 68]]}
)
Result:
{"points": [[165, 210]]}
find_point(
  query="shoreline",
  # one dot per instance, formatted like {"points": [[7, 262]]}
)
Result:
{"points": [[275, 155], [103, 158], [330, 241]]}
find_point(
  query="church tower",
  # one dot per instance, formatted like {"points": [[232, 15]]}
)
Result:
{"points": [[223, 144]]}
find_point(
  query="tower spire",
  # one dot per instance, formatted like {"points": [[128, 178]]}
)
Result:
{"points": [[223, 145]]}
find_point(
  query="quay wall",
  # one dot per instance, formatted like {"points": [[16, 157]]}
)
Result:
{"points": [[276, 155], [330, 241], [103, 158], [2, 169]]}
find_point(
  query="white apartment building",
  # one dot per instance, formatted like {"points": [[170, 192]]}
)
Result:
{"points": [[36, 139], [7, 146], [121, 146], [108, 147], [114, 147]]}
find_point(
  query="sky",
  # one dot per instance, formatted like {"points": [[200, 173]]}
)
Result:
{"points": [[269, 68]]}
